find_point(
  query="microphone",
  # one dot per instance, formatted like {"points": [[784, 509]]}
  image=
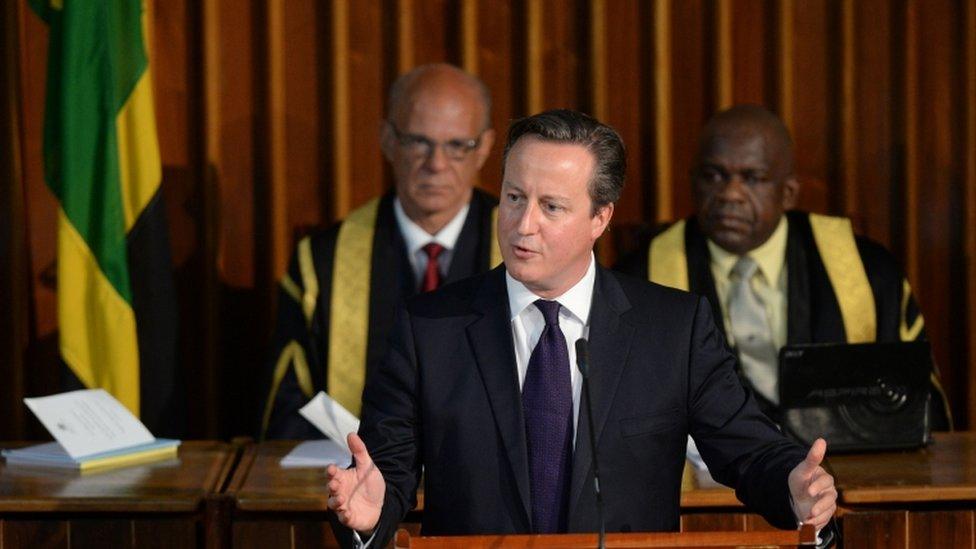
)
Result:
{"points": [[583, 363]]}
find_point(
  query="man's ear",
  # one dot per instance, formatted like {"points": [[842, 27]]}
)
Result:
{"points": [[387, 141], [484, 147], [791, 192], [601, 220]]}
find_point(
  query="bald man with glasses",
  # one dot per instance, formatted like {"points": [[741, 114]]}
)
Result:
{"points": [[337, 301]]}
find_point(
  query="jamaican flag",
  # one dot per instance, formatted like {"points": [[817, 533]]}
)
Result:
{"points": [[116, 306]]}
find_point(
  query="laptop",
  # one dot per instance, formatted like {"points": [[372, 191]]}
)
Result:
{"points": [[859, 397]]}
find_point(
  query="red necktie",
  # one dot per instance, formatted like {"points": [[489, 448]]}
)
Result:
{"points": [[432, 276]]}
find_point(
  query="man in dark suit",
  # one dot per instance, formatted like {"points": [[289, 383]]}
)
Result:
{"points": [[480, 388], [337, 300]]}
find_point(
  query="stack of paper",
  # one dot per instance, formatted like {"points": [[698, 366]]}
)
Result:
{"points": [[52, 454], [333, 421], [92, 431]]}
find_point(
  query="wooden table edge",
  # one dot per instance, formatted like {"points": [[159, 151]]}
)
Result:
{"points": [[906, 494]]}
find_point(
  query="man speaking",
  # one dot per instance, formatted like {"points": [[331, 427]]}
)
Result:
{"points": [[481, 393]]}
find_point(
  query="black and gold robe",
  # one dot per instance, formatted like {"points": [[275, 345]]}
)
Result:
{"points": [[814, 312], [337, 301]]}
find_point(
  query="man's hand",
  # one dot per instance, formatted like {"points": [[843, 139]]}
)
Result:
{"points": [[356, 495], [813, 491]]}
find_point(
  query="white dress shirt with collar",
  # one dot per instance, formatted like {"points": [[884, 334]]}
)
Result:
{"points": [[574, 321], [416, 238]]}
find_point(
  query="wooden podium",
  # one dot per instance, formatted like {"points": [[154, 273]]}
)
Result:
{"points": [[804, 537]]}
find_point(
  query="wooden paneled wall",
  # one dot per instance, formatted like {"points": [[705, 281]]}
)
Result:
{"points": [[13, 266], [269, 114]]}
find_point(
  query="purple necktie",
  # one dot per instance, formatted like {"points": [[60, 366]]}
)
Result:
{"points": [[547, 401]]}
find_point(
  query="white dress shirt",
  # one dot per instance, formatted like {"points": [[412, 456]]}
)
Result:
{"points": [[416, 238], [574, 321]]}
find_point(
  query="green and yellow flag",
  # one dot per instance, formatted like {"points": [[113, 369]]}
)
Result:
{"points": [[101, 158]]}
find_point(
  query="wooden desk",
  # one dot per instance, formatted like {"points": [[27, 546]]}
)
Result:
{"points": [[217, 495], [919, 498], [160, 504], [717, 510], [275, 507], [922, 498]]}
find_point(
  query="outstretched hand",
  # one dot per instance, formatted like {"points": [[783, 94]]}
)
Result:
{"points": [[357, 494], [812, 488]]}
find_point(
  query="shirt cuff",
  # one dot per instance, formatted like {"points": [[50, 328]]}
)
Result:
{"points": [[799, 523], [358, 543]]}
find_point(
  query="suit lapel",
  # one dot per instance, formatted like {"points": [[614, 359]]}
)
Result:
{"points": [[609, 340], [491, 340]]}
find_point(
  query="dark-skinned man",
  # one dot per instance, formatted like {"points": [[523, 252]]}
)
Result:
{"points": [[789, 276], [337, 300]]}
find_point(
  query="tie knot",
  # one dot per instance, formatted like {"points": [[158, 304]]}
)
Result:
{"points": [[433, 250], [745, 268], [549, 310]]}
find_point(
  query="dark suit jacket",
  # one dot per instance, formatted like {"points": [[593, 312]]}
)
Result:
{"points": [[447, 398]]}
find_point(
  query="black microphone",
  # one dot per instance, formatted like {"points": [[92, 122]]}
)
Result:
{"points": [[583, 363]]}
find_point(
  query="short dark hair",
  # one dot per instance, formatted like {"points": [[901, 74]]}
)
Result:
{"points": [[567, 126]]}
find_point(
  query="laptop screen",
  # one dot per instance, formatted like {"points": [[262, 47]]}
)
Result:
{"points": [[871, 396]]}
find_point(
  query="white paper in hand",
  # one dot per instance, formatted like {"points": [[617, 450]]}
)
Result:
{"points": [[88, 422], [331, 418]]}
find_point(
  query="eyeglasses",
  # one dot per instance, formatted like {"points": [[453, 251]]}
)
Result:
{"points": [[423, 146]]}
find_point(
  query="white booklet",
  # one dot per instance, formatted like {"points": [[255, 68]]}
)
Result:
{"points": [[335, 422], [89, 421], [92, 430]]}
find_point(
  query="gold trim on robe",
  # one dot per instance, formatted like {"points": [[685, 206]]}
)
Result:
{"points": [[838, 250], [349, 307], [667, 261]]}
